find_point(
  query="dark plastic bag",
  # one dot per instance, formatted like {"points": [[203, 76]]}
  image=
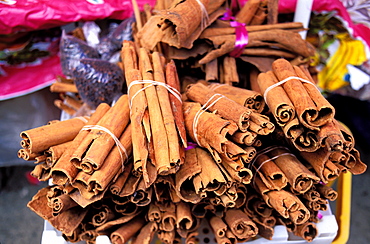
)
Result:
{"points": [[98, 81], [72, 50], [112, 42]]}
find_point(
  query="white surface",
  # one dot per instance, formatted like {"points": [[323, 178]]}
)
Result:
{"points": [[303, 14]]}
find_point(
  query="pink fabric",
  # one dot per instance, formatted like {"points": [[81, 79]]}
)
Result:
{"points": [[27, 15]]}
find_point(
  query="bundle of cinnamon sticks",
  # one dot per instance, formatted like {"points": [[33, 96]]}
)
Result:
{"points": [[198, 138]]}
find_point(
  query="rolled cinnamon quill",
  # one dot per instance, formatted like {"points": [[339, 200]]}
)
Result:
{"points": [[181, 24], [327, 192], [137, 109], [218, 226], [225, 107], [324, 168], [42, 138], [211, 177], [64, 171], [172, 80], [185, 221], [113, 165], [247, 98], [95, 147], [240, 224], [299, 177], [126, 231], [307, 231], [286, 204], [283, 39], [269, 173], [309, 104], [278, 101], [146, 234], [207, 129], [184, 184]]}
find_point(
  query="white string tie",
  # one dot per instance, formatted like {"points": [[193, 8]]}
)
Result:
{"points": [[201, 111], [116, 140], [285, 80], [205, 18], [172, 90]]}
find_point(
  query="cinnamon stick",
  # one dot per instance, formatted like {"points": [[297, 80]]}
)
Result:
{"points": [[95, 147], [240, 224], [137, 110], [126, 231], [41, 138], [299, 177], [227, 108]]}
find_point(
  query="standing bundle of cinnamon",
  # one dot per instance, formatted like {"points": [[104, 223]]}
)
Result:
{"points": [[153, 120]]}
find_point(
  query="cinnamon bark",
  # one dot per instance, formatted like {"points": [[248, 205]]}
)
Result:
{"points": [[64, 170], [126, 231], [283, 39], [227, 108], [210, 178], [230, 72], [269, 173], [299, 177], [240, 224], [184, 176], [181, 24], [93, 150], [146, 234], [285, 203], [137, 109], [310, 114], [113, 165], [247, 98], [247, 12], [172, 80], [160, 142], [218, 226], [41, 138], [278, 101], [324, 168], [307, 231], [208, 129]]}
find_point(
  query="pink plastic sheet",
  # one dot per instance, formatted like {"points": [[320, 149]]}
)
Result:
{"points": [[27, 15], [21, 81]]}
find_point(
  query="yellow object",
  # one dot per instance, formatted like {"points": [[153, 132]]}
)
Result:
{"points": [[350, 51], [343, 208]]}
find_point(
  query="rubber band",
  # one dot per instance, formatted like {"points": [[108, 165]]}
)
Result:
{"points": [[285, 80], [116, 140], [172, 90], [204, 108], [205, 18]]}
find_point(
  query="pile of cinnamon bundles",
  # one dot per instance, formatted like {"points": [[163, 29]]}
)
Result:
{"points": [[239, 142]]}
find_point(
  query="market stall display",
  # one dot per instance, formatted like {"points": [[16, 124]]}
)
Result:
{"points": [[175, 149]]}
